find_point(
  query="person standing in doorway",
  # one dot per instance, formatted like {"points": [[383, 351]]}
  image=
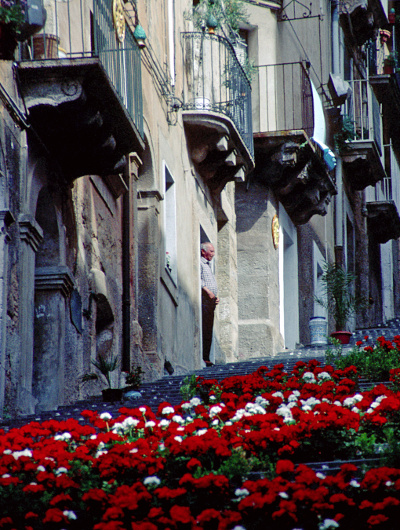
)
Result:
{"points": [[209, 298]]}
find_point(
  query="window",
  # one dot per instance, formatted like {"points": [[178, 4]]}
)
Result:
{"points": [[170, 225]]}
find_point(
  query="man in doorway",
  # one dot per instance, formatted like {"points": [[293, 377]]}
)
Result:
{"points": [[209, 298]]}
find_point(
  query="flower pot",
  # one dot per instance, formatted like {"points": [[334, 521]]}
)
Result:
{"points": [[8, 43], [318, 331], [342, 336], [112, 394], [45, 46]]}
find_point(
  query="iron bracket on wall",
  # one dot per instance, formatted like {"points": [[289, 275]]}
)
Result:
{"points": [[303, 11]]}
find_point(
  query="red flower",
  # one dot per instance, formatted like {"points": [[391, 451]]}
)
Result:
{"points": [[181, 514], [375, 520], [284, 466], [54, 515]]}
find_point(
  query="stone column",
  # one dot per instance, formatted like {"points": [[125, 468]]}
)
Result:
{"points": [[52, 286], [135, 328], [6, 219], [31, 236]]}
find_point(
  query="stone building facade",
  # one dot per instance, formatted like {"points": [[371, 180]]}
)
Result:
{"points": [[139, 131]]}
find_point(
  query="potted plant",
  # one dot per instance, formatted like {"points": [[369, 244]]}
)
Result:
{"points": [[389, 63], [339, 299], [133, 379], [106, 364], [12, 18]]}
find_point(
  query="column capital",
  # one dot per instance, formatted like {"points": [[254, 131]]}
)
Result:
{"points": [[57, 278], [134, 164], [30, 231]]}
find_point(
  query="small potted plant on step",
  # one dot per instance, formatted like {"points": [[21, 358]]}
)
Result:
{"points": [[106, 364], [338, 298]]}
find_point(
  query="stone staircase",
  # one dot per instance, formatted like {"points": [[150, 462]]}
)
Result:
{"points": [[167, 389]]}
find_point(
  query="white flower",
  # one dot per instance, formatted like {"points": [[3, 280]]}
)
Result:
{"points": [[292, 398], [354, 483], [151, 481], [178, 419], [278, 394], [142, 409], [63, 436], [284, 411], [380, 398], [6, 475], [358, 397], [214, 411], [134, 450], [118, 428], [324, 376], [389, 484], [328, 523], [355, 409], [25, 452], [321, 476], [195, 402], [262, 401], [60, 471], [201, 432], [213, 398], [150, 424], [349, 402], [106, 416], [283, 495], [309, 377], [178, 438], [164, 423], [310, 402], [69, 514], [241, 492], [215, 422], [130, 422], [168, 410], [337, 403]]}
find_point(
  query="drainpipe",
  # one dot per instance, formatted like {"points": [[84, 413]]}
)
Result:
{"points": [[126, 298], [338, 199]]}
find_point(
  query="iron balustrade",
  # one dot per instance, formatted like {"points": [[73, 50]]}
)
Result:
{"points": [[362, 111], [388, 189], [77, 29], [214, 81], [283, 99]]}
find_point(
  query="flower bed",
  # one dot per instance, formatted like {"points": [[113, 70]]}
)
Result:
{"points": [[189, 466]]}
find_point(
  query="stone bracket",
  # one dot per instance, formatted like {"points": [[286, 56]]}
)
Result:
{"points": [[299, 178], [383, 220]]}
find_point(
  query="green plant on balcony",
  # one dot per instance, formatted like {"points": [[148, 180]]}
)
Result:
{"points": [[217, 13], [12, 14], [346, 134]]}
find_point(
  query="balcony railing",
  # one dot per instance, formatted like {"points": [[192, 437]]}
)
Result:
{"points": [[85, 29], [283, 99], [214, 81], [388, 189], [363, 111]]}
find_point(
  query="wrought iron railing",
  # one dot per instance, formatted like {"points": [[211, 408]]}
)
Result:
{"points": [[215, 81], [363, 111], [283, 99], [85, 28], [388, 189]]}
